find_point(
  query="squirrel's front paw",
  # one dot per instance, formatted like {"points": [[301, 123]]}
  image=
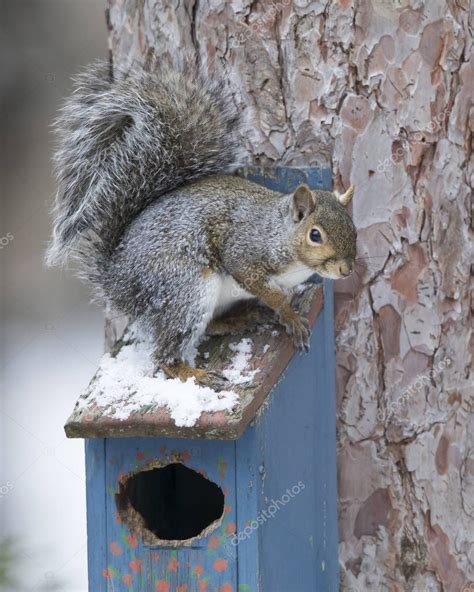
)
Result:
{"points": [[299, 330]]}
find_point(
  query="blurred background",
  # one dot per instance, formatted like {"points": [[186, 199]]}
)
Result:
{"points": [[51, 335]]}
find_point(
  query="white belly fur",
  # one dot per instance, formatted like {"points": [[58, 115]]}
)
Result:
{"points": [[228, 292], [295, 274], [220, 292], [210, 293]]}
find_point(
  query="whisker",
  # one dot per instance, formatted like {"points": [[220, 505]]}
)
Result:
{"points": [[389, 241], [353, 283], [372, 257]]}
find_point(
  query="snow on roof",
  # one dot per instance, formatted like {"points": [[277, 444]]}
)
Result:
{"points": [[127, 383], [128, 398]]}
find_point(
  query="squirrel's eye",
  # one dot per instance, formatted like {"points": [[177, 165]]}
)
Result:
{"points": [[315, 236]]}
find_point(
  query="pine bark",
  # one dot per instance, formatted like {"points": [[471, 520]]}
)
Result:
{"points": [[381, 91]]}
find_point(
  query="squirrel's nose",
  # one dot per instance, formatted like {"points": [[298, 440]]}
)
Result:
{"points": [[345, 268]]}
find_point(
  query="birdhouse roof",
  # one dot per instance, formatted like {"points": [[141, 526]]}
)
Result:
{"points": [[126, 397]]}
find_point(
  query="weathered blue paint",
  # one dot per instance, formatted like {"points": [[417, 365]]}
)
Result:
{"points": [[97, 509], [294, 444], [129, 564], [288, 540], [286, 179], [248, 483]]}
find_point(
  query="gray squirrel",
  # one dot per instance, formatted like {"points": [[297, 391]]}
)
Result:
{"points": [[147, 205]]}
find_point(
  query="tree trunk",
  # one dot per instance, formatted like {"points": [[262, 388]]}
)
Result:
{"points": [[381, 91]]}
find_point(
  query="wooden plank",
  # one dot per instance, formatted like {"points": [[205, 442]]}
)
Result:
{"points": [[296, 443], [325, 438], [134, 561], [96, 514], [272, 349], [286, 178], [246, 543]]}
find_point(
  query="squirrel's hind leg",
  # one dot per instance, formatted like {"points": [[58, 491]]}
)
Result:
{"points": [[239, 318], [178, 329], [183, 371]]}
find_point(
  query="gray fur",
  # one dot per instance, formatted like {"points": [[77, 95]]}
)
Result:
{"points": [[157, 273], [166, 262], [125, 142]]}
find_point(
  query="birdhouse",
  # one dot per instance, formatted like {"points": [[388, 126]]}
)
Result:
{"points": [[190, 490]]}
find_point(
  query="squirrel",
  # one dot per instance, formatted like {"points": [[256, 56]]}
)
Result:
{"points": [[147, 205]]}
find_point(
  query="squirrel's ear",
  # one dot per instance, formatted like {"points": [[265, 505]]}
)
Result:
{"points": [[303, 203], [346, 197]]}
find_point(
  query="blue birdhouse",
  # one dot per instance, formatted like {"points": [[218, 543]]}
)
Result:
{"points": [[189, 490]]}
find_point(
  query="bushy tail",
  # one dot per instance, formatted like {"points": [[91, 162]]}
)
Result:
{"points": [[124, 142]]}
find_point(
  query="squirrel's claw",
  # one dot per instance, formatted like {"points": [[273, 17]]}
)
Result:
{"points": [[214, 380], [299, 330]]}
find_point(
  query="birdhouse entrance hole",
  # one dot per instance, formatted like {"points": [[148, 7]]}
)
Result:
{"points": [[173, 502]]}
